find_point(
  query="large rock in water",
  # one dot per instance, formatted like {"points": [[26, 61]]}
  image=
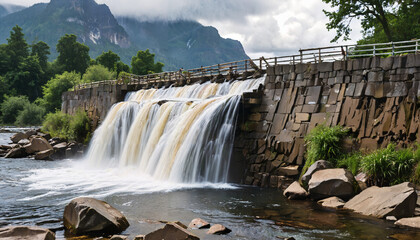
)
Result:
{"points": [[37, 145], [318, 165], [295, 191], [16, 153], [398, 201], [25, 233], [171, 231], [409, 222], [18, 136], [336, 182], [93, 217]]}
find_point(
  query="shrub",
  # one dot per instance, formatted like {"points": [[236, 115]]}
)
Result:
{"points": [[416, 175], [97, 73], [324, 143], [80, 127], [11, 107], [57, 124], [31, 115], [389, 166], [351, 162]]}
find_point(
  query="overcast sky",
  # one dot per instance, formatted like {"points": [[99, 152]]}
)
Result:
{"points": [[265, 28]]}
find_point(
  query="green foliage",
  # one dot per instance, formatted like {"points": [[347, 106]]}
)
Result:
{"points": [[121, 67], [31, 115], [324, 143], [351, 162], [80, 127], [17, 47], [57, 124], [144, 63], [381, 21], [55, 87], [73, 56], [11, 107], [97, 73], [389, 166], [416, 175], [4, 59], [66, 126], [108, 59], [41, 50]]}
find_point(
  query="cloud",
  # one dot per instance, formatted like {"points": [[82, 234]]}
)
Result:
{"points": [[269, 27]]}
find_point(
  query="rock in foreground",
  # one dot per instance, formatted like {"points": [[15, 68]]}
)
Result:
{"points": [[198, 223], [26, 233], [93, 217], [295, 191], [399, 201], [409, 222], [218, 229], [318, 165], [332, 202], [171, 231], [16, 153], [336, 182]]}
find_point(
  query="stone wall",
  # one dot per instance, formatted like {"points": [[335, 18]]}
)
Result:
{"points": [[376, 98]]}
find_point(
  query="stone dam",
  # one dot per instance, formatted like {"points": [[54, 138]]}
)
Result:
{"points": [[376, 98]]}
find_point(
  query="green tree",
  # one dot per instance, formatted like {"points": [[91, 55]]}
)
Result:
{"points": [[121, 67], [389, 20], [108, 59], [73, 56], [55, 87], [17, 47], [31, 115], [11, 107], [41, 50], [144, 63], [96, 73], [4, 59]]}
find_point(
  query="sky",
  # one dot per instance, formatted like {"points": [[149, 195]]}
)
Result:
{"points": [[265, 28]]}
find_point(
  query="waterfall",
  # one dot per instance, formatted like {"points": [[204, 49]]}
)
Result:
{"points": [[178, 134]]}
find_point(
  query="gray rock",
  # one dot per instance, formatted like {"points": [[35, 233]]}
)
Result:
{"points": [[25, 233], [93, 217], [413, 222], [399, 201], [171, 231], [18, 136], [295, 192], [218, 229], [30, 132], [16, 153], [119, 237], [198, 223], [332, 202], [318, 165], [24, 141], [326, 183], [44, 155], [139, 237], [38, 144]]}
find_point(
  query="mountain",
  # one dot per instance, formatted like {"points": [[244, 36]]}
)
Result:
{"points": [[6, 9], [177, 44]]}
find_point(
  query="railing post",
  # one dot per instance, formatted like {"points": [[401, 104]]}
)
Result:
{"points": [[260, 62], [246, 66], [417, 46], [319, 55], [374, 50], [393, 48], [293, 59], [346, 53], [301, 56]]}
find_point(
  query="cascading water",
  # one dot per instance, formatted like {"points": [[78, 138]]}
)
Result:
{"points": [[181, 134]]}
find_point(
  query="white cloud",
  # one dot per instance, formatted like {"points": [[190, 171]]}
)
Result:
{"points": [[269, 27]]}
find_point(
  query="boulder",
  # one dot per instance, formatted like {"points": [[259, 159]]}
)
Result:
{"points": [[399, 201], [413, 222], [18, 136], [37, 145], [16, 153], [218, 229], [119, 237], [326, 183], [60, 151], [171, 231], [93, 217], [139, 237], [44, 155], [47, 136], [24, 142], [55, 140], [288, 171], [295, 191], [26, 233], [198, 223], [318, 165], [30, 132], [5, 147], [332, 202]]}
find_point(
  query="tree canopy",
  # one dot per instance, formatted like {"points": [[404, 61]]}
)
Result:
{"points": [[73, 56], [389, 20], [144, 63], [17, 47], [108, 59]]}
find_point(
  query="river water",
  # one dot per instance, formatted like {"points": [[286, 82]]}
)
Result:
{"points": [[35, 193]]}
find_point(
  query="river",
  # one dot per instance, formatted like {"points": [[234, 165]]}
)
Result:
{"points": [[35, 193]]}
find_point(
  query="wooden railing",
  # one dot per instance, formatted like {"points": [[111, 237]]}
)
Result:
{"points": [[309, 55]]}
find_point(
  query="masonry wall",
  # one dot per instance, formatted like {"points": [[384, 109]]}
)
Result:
{"points": [[376, 98]]}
